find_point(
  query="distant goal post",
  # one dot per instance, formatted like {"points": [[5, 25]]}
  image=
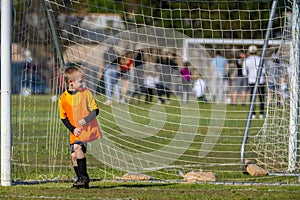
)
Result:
{"points": [[289, 54], [200, 41]]}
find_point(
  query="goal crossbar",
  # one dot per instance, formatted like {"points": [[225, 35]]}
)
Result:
{"points": [[188, 41]]}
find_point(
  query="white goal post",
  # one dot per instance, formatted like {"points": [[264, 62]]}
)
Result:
{"points": [[294, 62], [224, 41], [6, 103]]}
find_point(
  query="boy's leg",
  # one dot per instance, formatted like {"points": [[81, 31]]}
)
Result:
{"points": [[74, 162], [75, 165], [82, 170], [84, 180]]}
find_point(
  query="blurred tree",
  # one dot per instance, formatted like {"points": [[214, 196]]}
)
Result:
{"points": [[208, 19]]}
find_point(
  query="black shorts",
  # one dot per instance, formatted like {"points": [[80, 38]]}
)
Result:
{"points": [[82, 144]]}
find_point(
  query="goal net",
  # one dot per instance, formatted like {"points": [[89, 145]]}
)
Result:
{"points": [[170, 110]]}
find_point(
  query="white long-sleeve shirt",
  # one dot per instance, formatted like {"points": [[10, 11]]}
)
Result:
{"points": [[199, 87], [150, 81], [250, 69]]}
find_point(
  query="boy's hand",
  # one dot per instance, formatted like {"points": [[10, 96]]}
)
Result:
{"points": [[77, 131], [82, 122]]}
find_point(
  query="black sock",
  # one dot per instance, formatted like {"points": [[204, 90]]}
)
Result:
{"points": [[76, 171], [82, 169]]}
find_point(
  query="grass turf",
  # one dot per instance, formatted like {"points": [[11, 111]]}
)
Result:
{"points": [[149, 191], [46, 146]]}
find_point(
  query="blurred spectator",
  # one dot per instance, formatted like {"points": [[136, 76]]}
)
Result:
{"points": [[218, 72], [284, 91], [138, 75], [164, 68], [111, 80], [250, 70], [109, 56], [241, 82], [274, 73], [139, 69], [164, 71], [173, 61], [186, 79], [162, 90], [126, 64], [199, 88], [149, 84]]}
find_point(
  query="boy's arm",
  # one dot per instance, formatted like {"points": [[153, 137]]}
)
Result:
{"points": [[68, 124], [92, 115]]}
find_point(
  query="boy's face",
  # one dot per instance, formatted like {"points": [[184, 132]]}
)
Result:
{"points": [[77, 84]]}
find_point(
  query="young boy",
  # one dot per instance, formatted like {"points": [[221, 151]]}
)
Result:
{"points": [[78, 111]]}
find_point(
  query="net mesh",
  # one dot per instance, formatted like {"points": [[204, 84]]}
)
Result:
{"points": [[160, 119]]}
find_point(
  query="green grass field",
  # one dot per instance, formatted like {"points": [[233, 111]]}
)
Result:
{"points": [[150, 191], [41, 152]]}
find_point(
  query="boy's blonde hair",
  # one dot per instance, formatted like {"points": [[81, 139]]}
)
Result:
{"points": [[71, 73]]}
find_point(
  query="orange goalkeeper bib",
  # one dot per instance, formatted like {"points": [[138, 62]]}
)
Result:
{"points": [[77, 107]]}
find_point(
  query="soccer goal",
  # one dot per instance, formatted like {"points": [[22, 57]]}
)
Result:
{"points": [[190, 121]]}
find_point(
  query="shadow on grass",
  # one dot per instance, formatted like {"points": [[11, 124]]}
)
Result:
{"points": [[108, 183]]}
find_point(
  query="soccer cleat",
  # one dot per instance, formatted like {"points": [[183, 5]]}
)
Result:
{"points": [[253, 116], [83, 182], [76, 179]]}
